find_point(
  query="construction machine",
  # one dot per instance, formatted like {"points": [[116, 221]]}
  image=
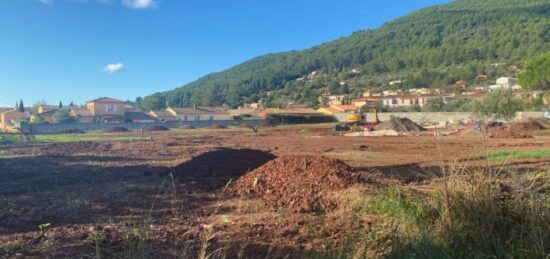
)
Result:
{"points": [[360, 116]]}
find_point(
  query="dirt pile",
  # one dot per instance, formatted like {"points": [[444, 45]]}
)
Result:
{"points": [[117, 129], [399, 125], [156, 128], [529, 125], [227, 163], [299, 183], [545, 122]]}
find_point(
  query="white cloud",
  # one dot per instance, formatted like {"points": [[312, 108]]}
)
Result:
{"points": [[140, 4], [46, 1], [113, 68]]}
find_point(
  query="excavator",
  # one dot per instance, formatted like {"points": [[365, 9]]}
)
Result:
{"points": [[360, 116], [359, 119]]}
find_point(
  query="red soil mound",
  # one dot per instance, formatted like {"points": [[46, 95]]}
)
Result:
{"points": [[157, 128], [299, 183], [516, 130], [227, 163], [529, 125]]}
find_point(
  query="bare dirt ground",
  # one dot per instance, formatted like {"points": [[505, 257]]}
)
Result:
{"points": [[127, 199]]}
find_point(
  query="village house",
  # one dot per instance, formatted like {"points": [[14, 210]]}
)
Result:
{"points": [[337, 109], [425, 91], [411, 100], [360, 102], [107, 110], [81, 115], [340, 112], [139, 117], [163, 116], [392, 92], [505, 83], [331, 100], [372, 94], [47, 115], [199, 113], [46, 108], [9, 119], [289, 111]]}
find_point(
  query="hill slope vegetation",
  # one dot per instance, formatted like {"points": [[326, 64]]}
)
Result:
{"points": [[433, 47]]}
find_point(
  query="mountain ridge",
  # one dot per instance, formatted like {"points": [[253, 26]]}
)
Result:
{"points": [[430, 47]]}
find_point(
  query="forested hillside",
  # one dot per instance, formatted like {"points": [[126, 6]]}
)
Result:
{"points": [[433, 47]]}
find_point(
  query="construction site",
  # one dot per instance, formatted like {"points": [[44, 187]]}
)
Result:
{"points": [[293, 191]]}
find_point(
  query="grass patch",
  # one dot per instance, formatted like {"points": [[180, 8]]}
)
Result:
{"points": [[81, 137], [63, 138], [402, 205], [503, 155], [463, 215]]}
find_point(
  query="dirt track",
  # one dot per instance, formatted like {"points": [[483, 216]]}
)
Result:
{"points": [[114, 195]]}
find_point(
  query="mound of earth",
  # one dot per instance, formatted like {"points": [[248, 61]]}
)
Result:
{"points": [[503, 132], [227, 163], [545, 122], [74, 131], [399, 125], [299, 183], [187, 126], [529, 125], [157, 128], [117, 129], [217, 126]]}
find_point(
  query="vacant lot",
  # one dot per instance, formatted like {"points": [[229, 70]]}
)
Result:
{"points": [[172, 194]]}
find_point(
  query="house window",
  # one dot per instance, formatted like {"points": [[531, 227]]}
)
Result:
{"points": [[211, 117], [197, 117], [185, 118], [110, 108]]}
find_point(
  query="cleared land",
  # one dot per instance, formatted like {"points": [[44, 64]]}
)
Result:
{"points": [[116, 195]]}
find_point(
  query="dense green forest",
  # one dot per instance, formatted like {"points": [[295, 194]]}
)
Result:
{"points": [[433, 47]]}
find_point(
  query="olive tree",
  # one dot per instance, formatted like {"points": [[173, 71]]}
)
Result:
{"points": [[499, 104]]}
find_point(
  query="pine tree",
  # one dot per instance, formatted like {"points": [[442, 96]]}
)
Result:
{"points": [[21, 106]]}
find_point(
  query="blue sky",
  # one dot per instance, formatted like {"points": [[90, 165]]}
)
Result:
{"points": [[76, 50]]}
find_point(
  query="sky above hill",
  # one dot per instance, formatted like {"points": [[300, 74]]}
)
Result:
{"points": [[77, 50]]}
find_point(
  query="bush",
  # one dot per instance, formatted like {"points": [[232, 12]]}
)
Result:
{"points": [[62, 116]]}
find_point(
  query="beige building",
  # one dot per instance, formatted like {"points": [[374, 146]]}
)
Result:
{"points": [[46, 108], [163, 116], [8, 119], [107, 109], [82, 115], [201, 113]]}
